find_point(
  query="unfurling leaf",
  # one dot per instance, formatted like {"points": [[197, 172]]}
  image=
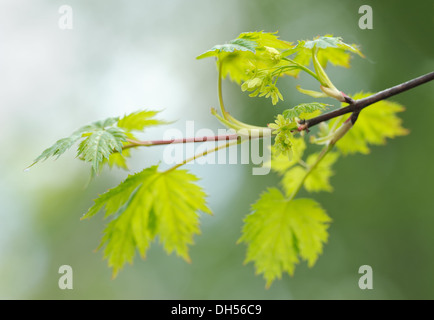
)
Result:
{"points": [[252, 58], [305, 110], [118, 160], [266, 39], [100, 144], [230, 47], [146, 205], [139, 120], [328, 41], [284, 139], [332, 49], [59, 147], [102, 141], [279, 232]]}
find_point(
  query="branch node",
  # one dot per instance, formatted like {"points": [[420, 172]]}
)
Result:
{"points": [[348, 99], [354, 117], [303, 127]]}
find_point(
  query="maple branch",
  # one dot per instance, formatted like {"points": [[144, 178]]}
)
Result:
{"points": [[356, 106]]}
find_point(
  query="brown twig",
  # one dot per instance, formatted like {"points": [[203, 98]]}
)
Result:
{"points": [[357, 105]]}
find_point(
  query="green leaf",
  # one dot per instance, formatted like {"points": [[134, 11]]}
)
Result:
{"points": [[331, 49], [102, 138], [100, 144], [266, 39], [114, 198], [231, 46], [138, 120], [328, 41], [318, 178], [102, 123], [284, 140], [278, 232], [323, 42], [374, 125], [305, 110], [292, 179], [118, 159], [250, 56], [60, 146], [146, 205], [248, 41]]}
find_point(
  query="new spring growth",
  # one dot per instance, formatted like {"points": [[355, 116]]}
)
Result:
{"points": [[326, 85], [339, 133], [273, 54], [261, 80], [282, 128]]}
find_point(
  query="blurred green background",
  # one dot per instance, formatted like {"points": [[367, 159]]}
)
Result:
{"points": [[123, 56]]}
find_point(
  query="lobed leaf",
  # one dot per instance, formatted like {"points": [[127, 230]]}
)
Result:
{"points": [[231, 46], [305, 110], [318, 178], [102, 141], [102, 124], [258, 63], [100, 144], [279, 232], [139, 120], [323, 42], [266, 39], [247, 56], [58, 148], [62, 145], [328, 41], [118, 159], [149, 204], [374, 125], [331, 49]]}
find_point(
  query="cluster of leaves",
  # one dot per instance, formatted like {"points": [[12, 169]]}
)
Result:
{"points": [[297, 228], [281, 229], [252, 58], [145, 205], [288, 122], [257, 60]]}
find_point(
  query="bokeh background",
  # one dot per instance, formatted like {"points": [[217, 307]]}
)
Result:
{"points": [[124, 56]]}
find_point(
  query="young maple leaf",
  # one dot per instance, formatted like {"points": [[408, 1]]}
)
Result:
{"points": [[146, 205], [374, 125], [280, 231]]}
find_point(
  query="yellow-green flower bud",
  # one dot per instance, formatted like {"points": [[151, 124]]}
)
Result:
{"points": [[273, 54]]}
